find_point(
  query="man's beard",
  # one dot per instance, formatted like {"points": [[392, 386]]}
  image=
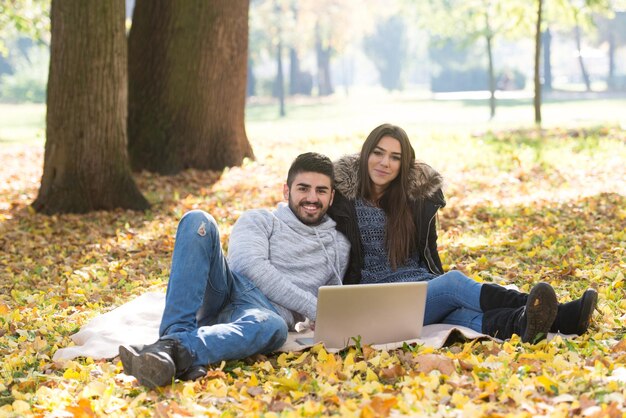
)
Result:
{"points": [[298, 210]]}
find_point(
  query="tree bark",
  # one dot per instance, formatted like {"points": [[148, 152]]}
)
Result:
{"points": [[280, 78], [86, 163], [547, 60], [581, 61], [187, 85], [611, 73], [323, 52], [537, 99], [492, 78], [294, 72]]}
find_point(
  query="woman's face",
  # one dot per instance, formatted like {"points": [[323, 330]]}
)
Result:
{"points": [[383, 164]]}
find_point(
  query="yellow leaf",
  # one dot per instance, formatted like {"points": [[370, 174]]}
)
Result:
{"points": [[548, 384], [282, 360], [322, 355], [290, 383], [253, 380], [39, 344], [301, 359], [459, 399], [370, 376], [361, 366], [349, 360], [189, 390], [296, 394], [71, 374]]}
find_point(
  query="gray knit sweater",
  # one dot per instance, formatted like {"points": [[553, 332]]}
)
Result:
{"points": [[288, 260]]}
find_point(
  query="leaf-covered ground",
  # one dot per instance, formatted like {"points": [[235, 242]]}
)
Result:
{"points": [[523, 206]]}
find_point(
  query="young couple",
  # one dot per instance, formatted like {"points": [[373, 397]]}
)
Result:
{"points": [[369, 218]]}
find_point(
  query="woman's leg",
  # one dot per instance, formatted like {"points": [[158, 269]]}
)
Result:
{"points": [[448, 293], [466, 318], [572, 317], [455, 298]]}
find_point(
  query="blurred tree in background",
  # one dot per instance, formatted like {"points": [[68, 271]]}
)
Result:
{"points": [[387, 48], [466, 22], [24, 42]]}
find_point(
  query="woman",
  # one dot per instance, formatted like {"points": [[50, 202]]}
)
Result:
{"points": [[386, 204]]}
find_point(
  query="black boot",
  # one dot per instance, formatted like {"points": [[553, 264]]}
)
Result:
{"points": [[493, 296], [193, 373], [530, 321], [155, 364], [574, 317]]}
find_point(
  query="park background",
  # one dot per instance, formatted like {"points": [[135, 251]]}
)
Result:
{"points": [[529, 198]]}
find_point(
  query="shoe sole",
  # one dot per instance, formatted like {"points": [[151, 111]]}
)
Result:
{"points": [[150, 369], [541, 310], [589, 302], [127, 353]]}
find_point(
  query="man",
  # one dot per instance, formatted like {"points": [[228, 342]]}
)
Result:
{"points": [[217, 310]]}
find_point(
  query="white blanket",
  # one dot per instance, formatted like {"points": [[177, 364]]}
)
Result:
{"points": [[137, 322]]}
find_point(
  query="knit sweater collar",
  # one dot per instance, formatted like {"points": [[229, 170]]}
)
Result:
{"points": [[284, 213]]}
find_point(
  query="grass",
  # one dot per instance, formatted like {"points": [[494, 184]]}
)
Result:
{"points": [[359, 112], [24, 123]]}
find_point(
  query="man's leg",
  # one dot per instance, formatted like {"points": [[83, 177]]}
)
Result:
{"points": [[211, 314], [199, 278]]}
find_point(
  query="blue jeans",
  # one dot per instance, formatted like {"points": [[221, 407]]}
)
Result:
{"points": [[453, 298], [215, 313]]}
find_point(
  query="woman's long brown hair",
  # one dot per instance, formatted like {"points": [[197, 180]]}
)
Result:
{"points": [[400, 231]]}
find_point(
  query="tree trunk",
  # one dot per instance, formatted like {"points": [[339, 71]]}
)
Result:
{"points": [[279, 86], [86, 163], [280, 79], [294, 72], [547, 60], [537, 99], [187, 85], [324, 82], [492, 78], [294, 61], [611, 76], [581, 61]]}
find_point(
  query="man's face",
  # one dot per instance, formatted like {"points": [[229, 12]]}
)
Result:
{"points": [[309, 197]]}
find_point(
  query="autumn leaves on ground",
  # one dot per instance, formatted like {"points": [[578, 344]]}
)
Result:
{"points": [[522, 206]]}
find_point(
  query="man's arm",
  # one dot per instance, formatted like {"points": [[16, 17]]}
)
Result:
{"points": [[248, 254]]}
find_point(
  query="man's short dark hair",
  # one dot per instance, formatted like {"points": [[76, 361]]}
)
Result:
{"points": [[311, 162]]}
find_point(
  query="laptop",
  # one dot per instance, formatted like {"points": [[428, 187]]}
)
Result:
{"points": [[375, 313]]}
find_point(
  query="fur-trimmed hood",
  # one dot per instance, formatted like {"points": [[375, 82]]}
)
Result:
{"points": [[424, 181]]}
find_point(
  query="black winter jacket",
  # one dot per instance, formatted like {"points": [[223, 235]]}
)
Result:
{"points": [[425, 198]]}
